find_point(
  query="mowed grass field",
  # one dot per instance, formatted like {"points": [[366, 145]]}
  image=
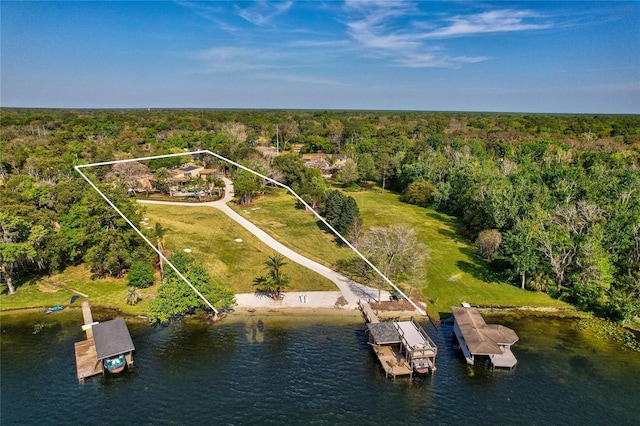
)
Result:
{"points": [[47, 292], [455, 271], [277, 214], [211, 236]]}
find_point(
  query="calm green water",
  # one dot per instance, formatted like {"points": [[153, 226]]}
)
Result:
{"points": [[310, 371]]}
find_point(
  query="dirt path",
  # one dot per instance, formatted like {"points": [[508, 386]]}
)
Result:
{"points": [[351, 290]]}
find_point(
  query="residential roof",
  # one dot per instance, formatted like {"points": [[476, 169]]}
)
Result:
{"points": [[384, 333], [112, 338], [190, 167], [482, 338], [315, 156]]}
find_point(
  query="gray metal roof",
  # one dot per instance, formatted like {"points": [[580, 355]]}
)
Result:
{"points": [[384, 333], [112, 338]]}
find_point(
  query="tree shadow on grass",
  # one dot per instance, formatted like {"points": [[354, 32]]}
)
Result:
{"points": [[477, 266], [449, 220], [453, 226], [323, 227], [19, 282]]}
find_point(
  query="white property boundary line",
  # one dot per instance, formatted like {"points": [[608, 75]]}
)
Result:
{"points": [[344, 240]]}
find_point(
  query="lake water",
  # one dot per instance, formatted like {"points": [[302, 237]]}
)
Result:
{"points": [[311, 371]]}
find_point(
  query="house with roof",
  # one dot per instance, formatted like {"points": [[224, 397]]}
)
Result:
{"points": [[320, 161], [187, 172]]}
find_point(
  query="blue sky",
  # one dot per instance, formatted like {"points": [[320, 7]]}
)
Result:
{"points": [[556, 56]]}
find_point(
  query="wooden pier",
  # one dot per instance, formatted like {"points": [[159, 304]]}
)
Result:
{"points": [[87, 363], [107, 343], [401, 347], [368, 313]]}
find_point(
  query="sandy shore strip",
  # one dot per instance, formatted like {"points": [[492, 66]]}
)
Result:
{"points": [[303, 299], [307, 304]]}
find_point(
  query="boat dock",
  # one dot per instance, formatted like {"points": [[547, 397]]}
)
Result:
{"points": [[105, 341], [402, 347], [477, 338], [87, 363]]}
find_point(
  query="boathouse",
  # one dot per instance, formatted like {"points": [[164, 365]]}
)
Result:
{"points": [[108, 345], [477, 338], [113, 342], [402, 347]]}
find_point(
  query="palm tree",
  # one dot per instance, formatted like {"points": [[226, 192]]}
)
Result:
{"points": [[275, 281]]}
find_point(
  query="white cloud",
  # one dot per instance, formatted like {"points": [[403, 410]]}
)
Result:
{"points": [[430, 60], [507, 20], [210, 12], [230, 59], [384, 30], [263, 11]]}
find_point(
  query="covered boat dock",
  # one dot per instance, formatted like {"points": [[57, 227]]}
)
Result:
{"points": [[402, 347], [104, 341], [112, 340], [479, 338]]}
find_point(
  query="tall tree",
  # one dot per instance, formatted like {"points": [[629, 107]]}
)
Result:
{"points": [[18, 245], [519, 250], [176, 299], [340, 210], [394, 250], [246, 186]]}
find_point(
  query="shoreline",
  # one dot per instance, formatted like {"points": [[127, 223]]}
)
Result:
{"points": [[316, 304]]}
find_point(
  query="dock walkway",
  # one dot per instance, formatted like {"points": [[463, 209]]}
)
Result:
{"points": [[368, 312], [87, 363]]}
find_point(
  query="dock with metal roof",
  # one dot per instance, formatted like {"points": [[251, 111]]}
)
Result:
{"points": [[104, 340]]}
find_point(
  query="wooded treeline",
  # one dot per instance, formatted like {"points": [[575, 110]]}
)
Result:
{"points": [[553, 201]]}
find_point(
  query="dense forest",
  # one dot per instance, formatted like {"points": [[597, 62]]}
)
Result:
{"points": [[552, 201]]}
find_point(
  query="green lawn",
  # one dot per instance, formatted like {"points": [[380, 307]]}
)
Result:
{"points": [[108, 292], [455, 271], [296, 228], [211, 236]]}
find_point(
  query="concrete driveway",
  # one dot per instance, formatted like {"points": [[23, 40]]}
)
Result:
{"points": [[351, 290]]}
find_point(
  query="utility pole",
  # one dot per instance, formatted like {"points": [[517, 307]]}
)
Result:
{"points": [[277, 141]]}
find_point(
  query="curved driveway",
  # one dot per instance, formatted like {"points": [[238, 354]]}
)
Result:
{"points": [[351, 290]]}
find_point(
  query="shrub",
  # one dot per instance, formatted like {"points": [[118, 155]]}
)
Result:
{"points": [[419, 193], [141, 275], [488, 242]]}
